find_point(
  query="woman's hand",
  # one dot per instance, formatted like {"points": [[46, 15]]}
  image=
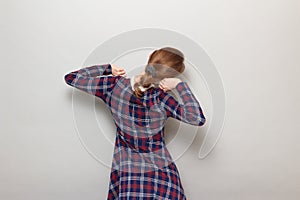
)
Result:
{"points": [[117, 71], [169, 83]]}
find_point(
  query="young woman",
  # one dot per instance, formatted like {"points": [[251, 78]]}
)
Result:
{"points": [[142, 167]]}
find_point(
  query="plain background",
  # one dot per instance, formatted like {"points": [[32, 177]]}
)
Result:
{"points": [[254, 44]]}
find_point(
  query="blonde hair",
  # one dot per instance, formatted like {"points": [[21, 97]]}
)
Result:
{"points": [[163, 63]]}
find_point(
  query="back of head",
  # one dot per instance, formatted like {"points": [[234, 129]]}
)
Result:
{"points": [[163, 63]]}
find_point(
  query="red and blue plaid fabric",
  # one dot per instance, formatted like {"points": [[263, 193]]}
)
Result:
{"points": [[142, 167]]}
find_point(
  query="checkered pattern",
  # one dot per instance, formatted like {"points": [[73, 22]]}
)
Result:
{"points": [[142, 167]]}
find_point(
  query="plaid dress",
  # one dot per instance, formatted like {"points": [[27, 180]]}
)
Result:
{"points": [[142, 167]]}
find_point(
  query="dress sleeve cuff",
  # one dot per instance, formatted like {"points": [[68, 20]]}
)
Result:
{"points": [[108, 70]]}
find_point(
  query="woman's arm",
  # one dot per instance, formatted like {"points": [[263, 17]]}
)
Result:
{"points": [[93, 80], [189, 112]]}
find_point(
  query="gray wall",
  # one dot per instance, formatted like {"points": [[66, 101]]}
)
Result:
{"points": [[254, 45]]}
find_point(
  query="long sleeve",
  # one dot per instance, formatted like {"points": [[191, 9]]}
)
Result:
{"points": [[93, 80], [189, 112]]}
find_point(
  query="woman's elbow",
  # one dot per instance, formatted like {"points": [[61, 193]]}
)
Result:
{"points": [[199, 120], [196, 119], [202, 121], [69, 78]]}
